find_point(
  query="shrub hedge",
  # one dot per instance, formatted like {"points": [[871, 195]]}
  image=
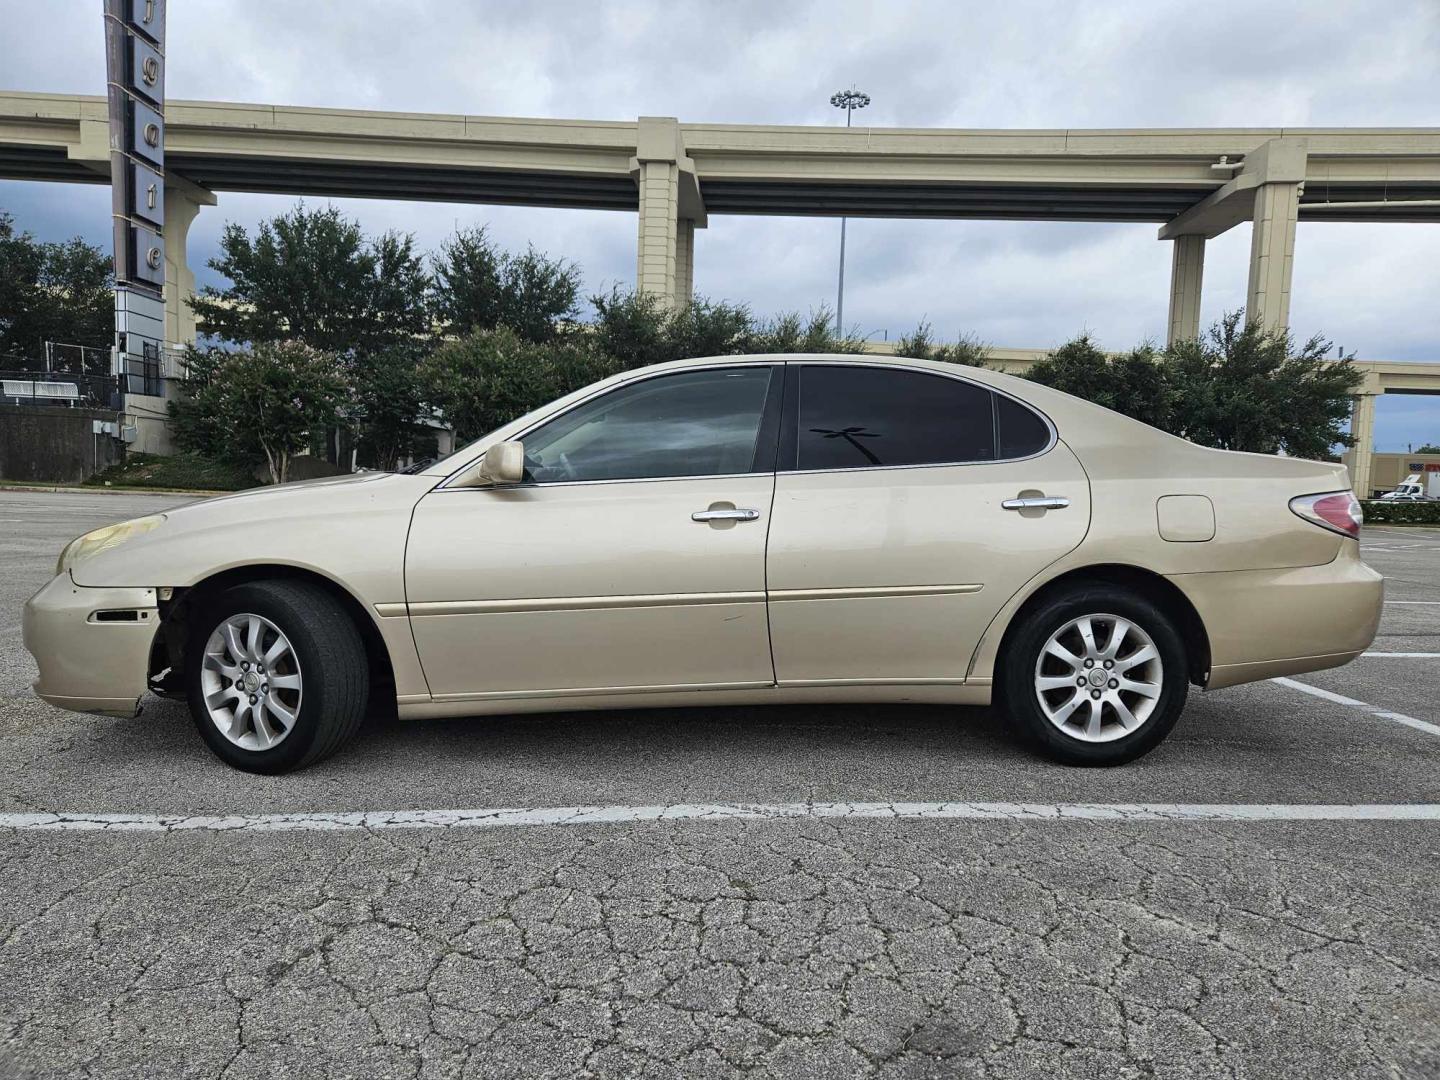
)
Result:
{"points": [[1382, 512]]}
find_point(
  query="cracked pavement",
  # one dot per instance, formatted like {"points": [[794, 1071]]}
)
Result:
{"points": [[798, 945]]}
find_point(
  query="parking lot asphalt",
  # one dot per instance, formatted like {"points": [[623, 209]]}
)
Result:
{"points": [[840, 927]]}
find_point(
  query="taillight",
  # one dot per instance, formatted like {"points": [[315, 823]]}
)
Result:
{"points": [[1338, 511]]}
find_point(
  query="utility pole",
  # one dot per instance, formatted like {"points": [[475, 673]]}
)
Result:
{"points": [[849, 100]]}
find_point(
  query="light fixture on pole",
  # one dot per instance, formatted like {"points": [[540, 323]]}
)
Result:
{"points": [[849, 100]]}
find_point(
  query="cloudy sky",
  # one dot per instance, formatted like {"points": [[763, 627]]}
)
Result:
{"points": [[1022, 63]]}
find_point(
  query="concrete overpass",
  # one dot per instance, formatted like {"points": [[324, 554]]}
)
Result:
{"points": [[1193, 183]]}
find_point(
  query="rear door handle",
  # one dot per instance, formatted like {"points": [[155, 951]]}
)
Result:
{"points": [[725, 515], [1036, 502]]}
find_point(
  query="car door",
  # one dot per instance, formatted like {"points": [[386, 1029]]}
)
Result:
{"points": [[896, 536], [631, 559]]}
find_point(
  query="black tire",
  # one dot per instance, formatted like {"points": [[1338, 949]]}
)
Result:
{"points": [[1020, 699], [331, 657]]}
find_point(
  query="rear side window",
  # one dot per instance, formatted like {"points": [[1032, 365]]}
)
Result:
{"points": [[1021, 431], [863, 417], [860, 417]]}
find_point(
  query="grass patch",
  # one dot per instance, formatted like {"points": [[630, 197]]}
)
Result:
{"points": [[181, 472]]}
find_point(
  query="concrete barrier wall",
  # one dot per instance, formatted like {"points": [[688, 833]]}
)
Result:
{"points": [[54, 444]]}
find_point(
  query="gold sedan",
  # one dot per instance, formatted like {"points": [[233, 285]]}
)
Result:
{"points": [[723, 531]]}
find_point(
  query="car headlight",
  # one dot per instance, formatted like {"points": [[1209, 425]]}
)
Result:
{"points": [[92, 543]]}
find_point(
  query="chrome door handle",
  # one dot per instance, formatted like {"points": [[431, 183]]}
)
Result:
{"points": [[725, 515], [1044, 502]]}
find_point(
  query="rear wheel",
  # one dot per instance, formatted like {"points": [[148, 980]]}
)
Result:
{"points": [[276, 676], [1095, 676]]}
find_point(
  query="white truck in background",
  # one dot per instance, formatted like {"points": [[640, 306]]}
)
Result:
{"points": [[1416, 487]]}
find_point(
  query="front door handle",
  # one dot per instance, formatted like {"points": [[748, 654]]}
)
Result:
{"points": [[741, 514], [1036, 502]]}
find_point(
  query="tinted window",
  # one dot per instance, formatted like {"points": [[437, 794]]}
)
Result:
{"points": [[857, 417], [693, 423], [1022, 431]]}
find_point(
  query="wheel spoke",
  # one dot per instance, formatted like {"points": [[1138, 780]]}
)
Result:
{"points": [[284, 682], [265, 732], [217, 698], [1117, 638], [1092, 725], [1128, 720], [238, 721], [1087, 635], [1061, 653], [252, 637], [1055, 682], [232, 641], [278, 649], [1135, 659], [1144, 689], [284, 715], [1061, 714], [216, 662]]}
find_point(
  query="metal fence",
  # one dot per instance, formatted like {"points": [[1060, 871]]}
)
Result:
{"points": [[61, 388]]}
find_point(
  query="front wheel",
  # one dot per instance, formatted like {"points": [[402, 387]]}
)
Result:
{"points": [[276, 676], [1095, 676]]}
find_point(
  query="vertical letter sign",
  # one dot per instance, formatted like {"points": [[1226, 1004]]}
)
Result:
{"points": [[135, 75]]}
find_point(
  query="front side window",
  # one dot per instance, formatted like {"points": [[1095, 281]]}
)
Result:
{"points": [[691, 423], [862, 417]]}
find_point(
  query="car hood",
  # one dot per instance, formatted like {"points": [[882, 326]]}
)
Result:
{"points": [[332, 525]]}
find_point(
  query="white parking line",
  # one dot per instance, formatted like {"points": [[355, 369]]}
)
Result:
{"points": [[1373, 710], [1407, 655], [610, 815], [1414, 603]]}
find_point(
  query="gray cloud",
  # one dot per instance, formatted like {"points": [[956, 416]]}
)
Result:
{"points": [[1027, 63]]}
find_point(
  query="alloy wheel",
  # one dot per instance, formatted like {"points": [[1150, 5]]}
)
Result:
{"points": [[1098, 678], [251, 682]]}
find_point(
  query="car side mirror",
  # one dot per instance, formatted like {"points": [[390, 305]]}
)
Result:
{"points": [[503, 463]]}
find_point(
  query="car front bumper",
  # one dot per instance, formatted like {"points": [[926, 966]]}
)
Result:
{"points": [[1264, 623], [92, 645]]}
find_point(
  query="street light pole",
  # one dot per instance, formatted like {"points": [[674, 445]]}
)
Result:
{"points": [[849, 100]]}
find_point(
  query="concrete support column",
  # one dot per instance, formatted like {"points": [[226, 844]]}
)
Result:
{"points": [[181, 207], [1362, 426], [1187, 268], [656, 254], [1272, 254], [684, 261], [671, 209]]}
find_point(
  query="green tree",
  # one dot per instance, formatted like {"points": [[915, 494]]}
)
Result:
{"points": [[1241, 387], [638, 329], [480, 287], [789, 332], [1428, 448], [263, 404], [921, 345], [53, 292], [313, 276], [1136, 383], [388, 401], [490, 377]]}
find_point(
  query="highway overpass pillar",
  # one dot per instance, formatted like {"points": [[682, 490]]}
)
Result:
{"points": [[1362, 426], [1187, 267], [182, 203], [1272, 254], [684, 260], [671, 209]]}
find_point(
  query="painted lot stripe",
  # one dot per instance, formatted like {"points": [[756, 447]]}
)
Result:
{"points": [[610, 815], [1373, 710], [1414, 603]]}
